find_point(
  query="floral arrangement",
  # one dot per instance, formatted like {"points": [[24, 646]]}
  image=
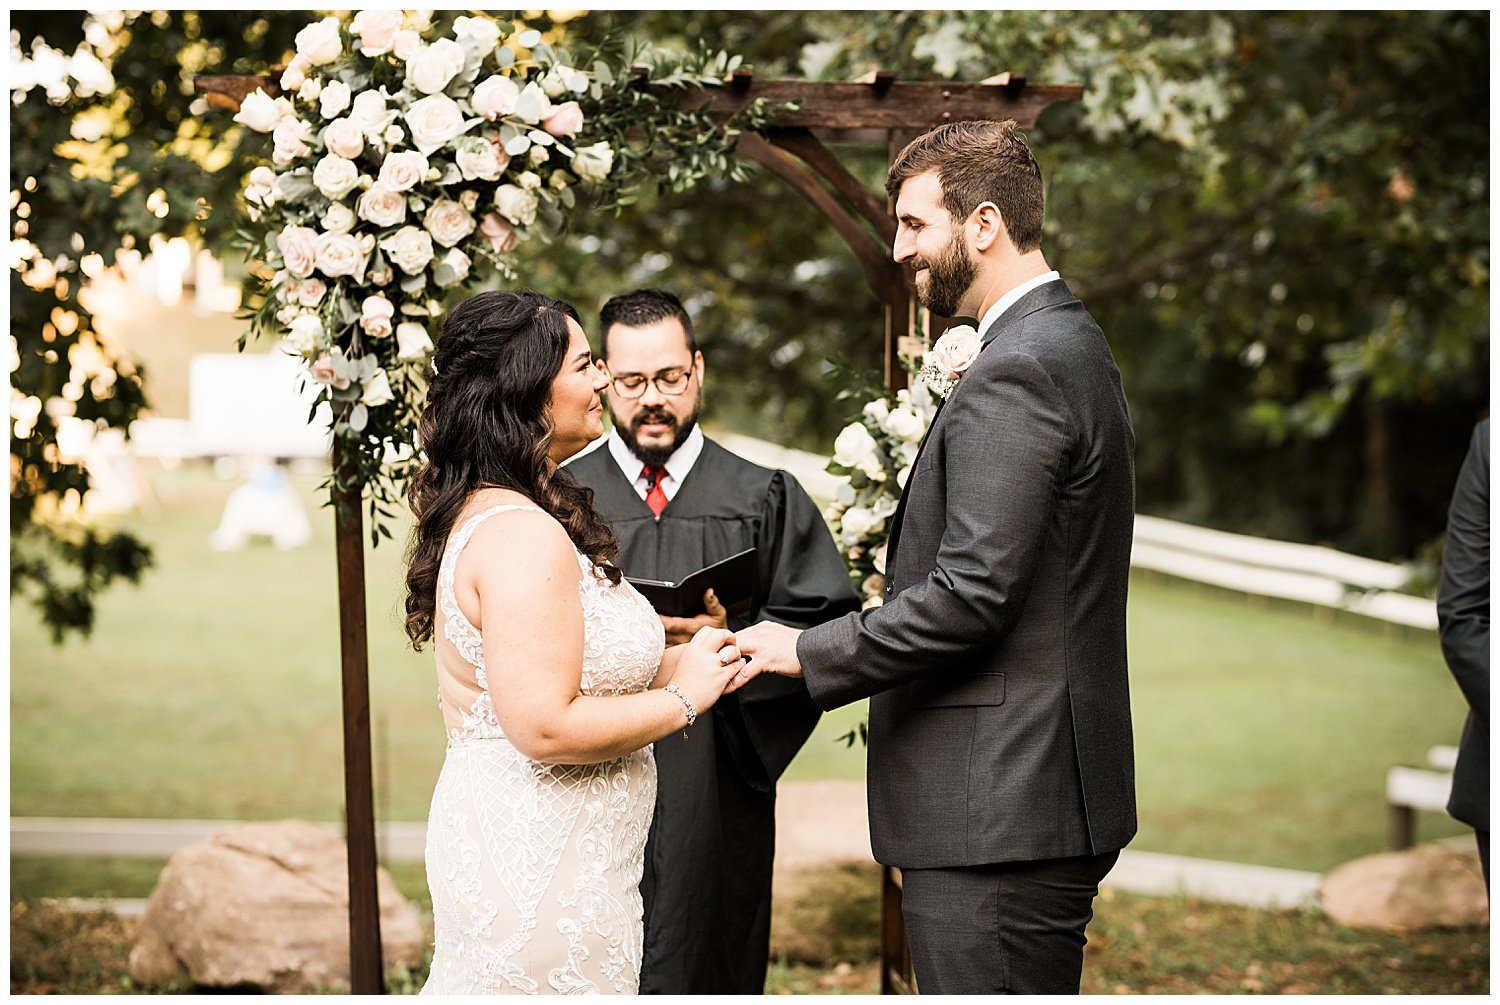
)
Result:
{"points": [[409, 161], [876, 453]]}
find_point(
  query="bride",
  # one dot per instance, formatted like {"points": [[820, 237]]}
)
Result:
{"points": [[552, 678]]}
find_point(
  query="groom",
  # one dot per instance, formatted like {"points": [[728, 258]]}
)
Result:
{"points": [[1001, 769]]}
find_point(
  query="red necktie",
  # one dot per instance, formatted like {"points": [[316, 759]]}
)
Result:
{"points": [[656, 496]]}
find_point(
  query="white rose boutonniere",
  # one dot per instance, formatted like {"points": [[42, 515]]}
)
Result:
{"points": [[950, 357]]}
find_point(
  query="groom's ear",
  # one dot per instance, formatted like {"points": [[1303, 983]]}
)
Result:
{"points": [[989, 226]]}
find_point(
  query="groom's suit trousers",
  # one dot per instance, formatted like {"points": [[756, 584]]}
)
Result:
{"points": [[1013, 928]]}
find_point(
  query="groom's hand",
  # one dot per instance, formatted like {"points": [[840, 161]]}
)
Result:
{"points": [[767, 648]]}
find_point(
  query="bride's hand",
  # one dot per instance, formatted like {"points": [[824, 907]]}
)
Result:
{"points": [[707, 664]]}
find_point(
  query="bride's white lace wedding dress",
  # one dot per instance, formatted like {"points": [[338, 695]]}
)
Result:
{"points": [[535, 868]]}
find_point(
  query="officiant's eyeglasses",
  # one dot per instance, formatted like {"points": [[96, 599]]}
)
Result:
{"points": [[669, 382]]}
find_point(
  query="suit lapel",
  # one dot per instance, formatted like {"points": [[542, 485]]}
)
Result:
{"points": [[1046, 295]]}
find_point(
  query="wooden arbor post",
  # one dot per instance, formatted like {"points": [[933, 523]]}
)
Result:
{"points": [[874, 109], [366, 966]]}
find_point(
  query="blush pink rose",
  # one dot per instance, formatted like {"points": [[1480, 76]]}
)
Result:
{"points": [[322, 372], [448, 222], [340, 255], [299, 250], [957, 349], [290, 137], [501, 235], [344, 139], [564, 120], [376, 30], [495, 96], [403, 171], [376, 315]]}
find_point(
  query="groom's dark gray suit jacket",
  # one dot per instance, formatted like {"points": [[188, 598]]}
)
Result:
{"points": [[1000, 711]]}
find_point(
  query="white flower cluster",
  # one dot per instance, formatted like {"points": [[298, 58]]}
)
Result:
{"points": [[381, 197], [875, 454]]}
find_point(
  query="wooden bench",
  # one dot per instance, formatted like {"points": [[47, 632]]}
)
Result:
{"points": [[1409, 789]]}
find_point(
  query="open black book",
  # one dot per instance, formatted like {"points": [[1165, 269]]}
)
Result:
{"points": [[732, 580]]}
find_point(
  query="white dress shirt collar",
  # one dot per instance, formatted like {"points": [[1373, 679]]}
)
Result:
{"points": [[678, 465], [1000, 306]]}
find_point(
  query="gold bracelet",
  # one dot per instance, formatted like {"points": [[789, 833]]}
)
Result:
{"points": [[692, 713]]}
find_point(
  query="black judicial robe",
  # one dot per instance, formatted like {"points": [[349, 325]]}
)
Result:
{"points": [[707, 882]]}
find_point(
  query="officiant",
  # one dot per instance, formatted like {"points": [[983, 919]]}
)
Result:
{"points": [[678, 502]]}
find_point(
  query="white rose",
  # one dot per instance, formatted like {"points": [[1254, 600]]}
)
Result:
{"points": [[554, 84], [393, 134], [290, 137], [877, 409], [260, 112], [334, 99], [479, 159], [299, 250], [412, 343], [375, 316], [377, 390], [902, 476], [306, 335], [344, 138], [903, 424], [382, 205], [309, 89], [335, 176], [879, 558], [538, 155], [529, 180], [857, 523], [261, 187], [854, 445], [403, 171], [448, 222], [294, 76], [320, 43], [516, 204], [369, 112], [434, 121], [409, 248], [593, 163], [406, 42], [376, 30], [432, 67], [341, 255], [495, 96], [338, 218], [480, 33]]}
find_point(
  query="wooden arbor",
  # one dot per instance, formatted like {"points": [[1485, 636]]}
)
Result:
{"points": [[875, 109]]}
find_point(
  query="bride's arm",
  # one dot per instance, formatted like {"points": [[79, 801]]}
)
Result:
{"points": [[525, 576]]}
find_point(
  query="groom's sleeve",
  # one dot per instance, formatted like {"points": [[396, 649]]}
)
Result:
{"points": [[1005, 442]]}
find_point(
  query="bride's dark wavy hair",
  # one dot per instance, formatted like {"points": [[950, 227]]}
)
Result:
{"points": [[487, 423]]}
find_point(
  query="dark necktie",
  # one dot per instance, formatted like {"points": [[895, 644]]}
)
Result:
{"points": [[656, 496]]}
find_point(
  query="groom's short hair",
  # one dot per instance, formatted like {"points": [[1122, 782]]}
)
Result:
{"points": [[643, 307], [979, 161]]}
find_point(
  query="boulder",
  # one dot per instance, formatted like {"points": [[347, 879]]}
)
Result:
{"points": [[1429, 886], [264, 905]]}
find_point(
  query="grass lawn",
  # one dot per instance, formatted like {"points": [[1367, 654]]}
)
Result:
{"points": [[212, 691]]}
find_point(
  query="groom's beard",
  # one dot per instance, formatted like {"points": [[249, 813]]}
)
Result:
{"points": [[948, 278], [655, 456]]}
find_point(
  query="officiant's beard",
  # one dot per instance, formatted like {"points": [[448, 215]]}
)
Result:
{"points": [[948, 278], [656, 456]]}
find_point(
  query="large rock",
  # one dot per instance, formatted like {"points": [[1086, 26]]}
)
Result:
{"points": [[1428, 886], [264, 905]]}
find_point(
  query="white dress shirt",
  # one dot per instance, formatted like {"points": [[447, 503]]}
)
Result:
{"points": [[678, 465], [999, 306]]}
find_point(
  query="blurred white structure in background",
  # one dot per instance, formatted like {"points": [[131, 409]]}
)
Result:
{"points": [[266, 506]]}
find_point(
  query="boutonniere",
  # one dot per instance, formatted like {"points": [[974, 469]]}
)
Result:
{"points": [[948, 358]]}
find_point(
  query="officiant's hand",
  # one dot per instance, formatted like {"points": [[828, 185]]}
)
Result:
{"points": [[680, 630], [767, 648]]}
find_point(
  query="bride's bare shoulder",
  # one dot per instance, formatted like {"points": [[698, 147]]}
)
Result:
{"points": [[527, 528]]}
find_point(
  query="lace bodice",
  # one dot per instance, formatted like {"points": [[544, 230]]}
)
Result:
{"points": [[535, 868], [622, 636]]}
